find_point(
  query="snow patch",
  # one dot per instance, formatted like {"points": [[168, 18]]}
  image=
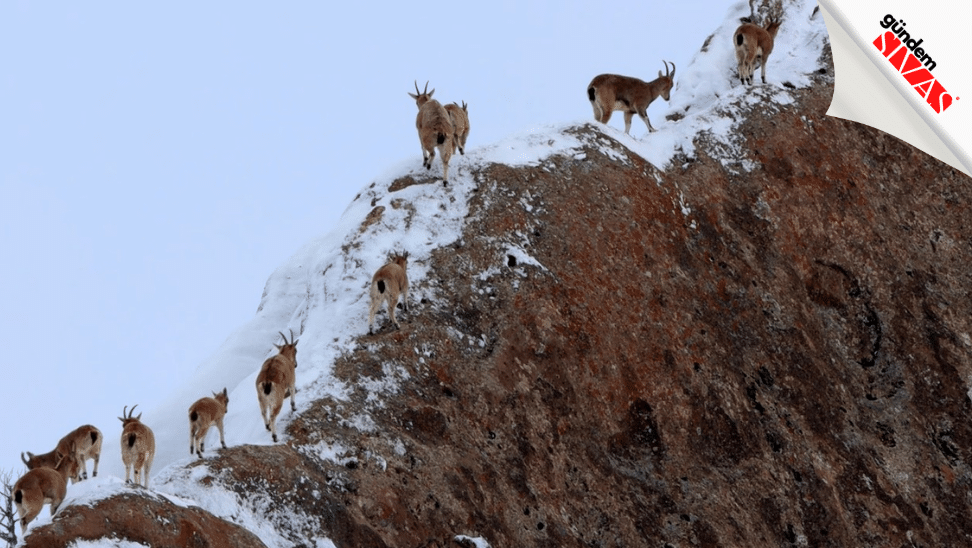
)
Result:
{"points": [[521, 257], [477, 542], [252, 513], [106, 543]]}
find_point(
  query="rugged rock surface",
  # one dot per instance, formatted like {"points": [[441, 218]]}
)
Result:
{"points": [[710, 358], [141, 517], [762, 353]]}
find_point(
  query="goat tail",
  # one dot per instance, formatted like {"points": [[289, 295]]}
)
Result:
{"points": [[440, 138], [590, 93], [740, 38], [94, 437], [19, 496], [131, 439], [267, 388], [381, 286], [194, 416]]}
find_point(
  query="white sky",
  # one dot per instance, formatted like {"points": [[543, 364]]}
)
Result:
{"points": [[158, 162]]}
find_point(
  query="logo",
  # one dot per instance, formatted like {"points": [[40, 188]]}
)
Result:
{"points": [[913, 63]]}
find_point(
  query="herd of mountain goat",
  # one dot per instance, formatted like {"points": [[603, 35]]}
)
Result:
{"points": [[439, 127]]}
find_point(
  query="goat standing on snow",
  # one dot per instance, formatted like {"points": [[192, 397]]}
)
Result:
{"points": [[137, 447], [460, 125], [44, 485], [610, 92], [387, 284], [434, 129], [85, 439], [754, 43], [276, 381], [203, 414]]}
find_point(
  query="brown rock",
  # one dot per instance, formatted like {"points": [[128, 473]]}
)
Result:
{"points": [[783, 362], [142, 518], [762, 358]]}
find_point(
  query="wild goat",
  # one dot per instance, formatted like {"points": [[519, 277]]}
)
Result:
{"points": [[460, 125], [276, 381], [434, 130], [43, 485], [203, 414], [610, 92], [86, 439], [387, 284], [137, 446], [754, 43]]}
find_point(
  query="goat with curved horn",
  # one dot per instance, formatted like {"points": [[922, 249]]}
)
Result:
{"points": [[137, 446], [206, 412], [43, 485], [610, 92], [753, 44], [277, 380], [459, 115], [434, 129], [387, 284], [86, 441]]}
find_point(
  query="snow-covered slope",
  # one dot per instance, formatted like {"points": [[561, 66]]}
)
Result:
{"points": [[708, 94], [321, 292]]}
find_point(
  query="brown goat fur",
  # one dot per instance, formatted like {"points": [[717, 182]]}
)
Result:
{"points": [[43, 485], [754, 44], [137, 447], [387, 284], [203, 414], [610, 92], [276, 381], [434, 129], [460, 125], [87, 441]]}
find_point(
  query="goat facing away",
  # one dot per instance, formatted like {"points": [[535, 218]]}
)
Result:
{"points": [[460, 125], [87, 442], [43, 485], [276, 381], [387, 284], [434, 129], [610, 92], [137, 447], [754, 43], [205, 413]]}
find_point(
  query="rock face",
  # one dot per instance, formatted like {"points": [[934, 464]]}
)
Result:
{"points": [[703, 357], [143, 518], [766, 352]]}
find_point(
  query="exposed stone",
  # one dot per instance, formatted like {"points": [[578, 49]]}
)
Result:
{"points": [[761, 353], [147, 520], [723, 358]]}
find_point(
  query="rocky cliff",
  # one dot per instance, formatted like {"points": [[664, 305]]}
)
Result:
{"points": [[771, 350]]}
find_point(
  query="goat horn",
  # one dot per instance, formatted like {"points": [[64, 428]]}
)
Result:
{"points": [[426, 86], [417, 92], [284, 337], [291, 336], [132, 412], [22, 457]]}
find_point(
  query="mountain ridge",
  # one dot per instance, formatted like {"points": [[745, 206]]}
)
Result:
{"points": [[765, 344]]}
